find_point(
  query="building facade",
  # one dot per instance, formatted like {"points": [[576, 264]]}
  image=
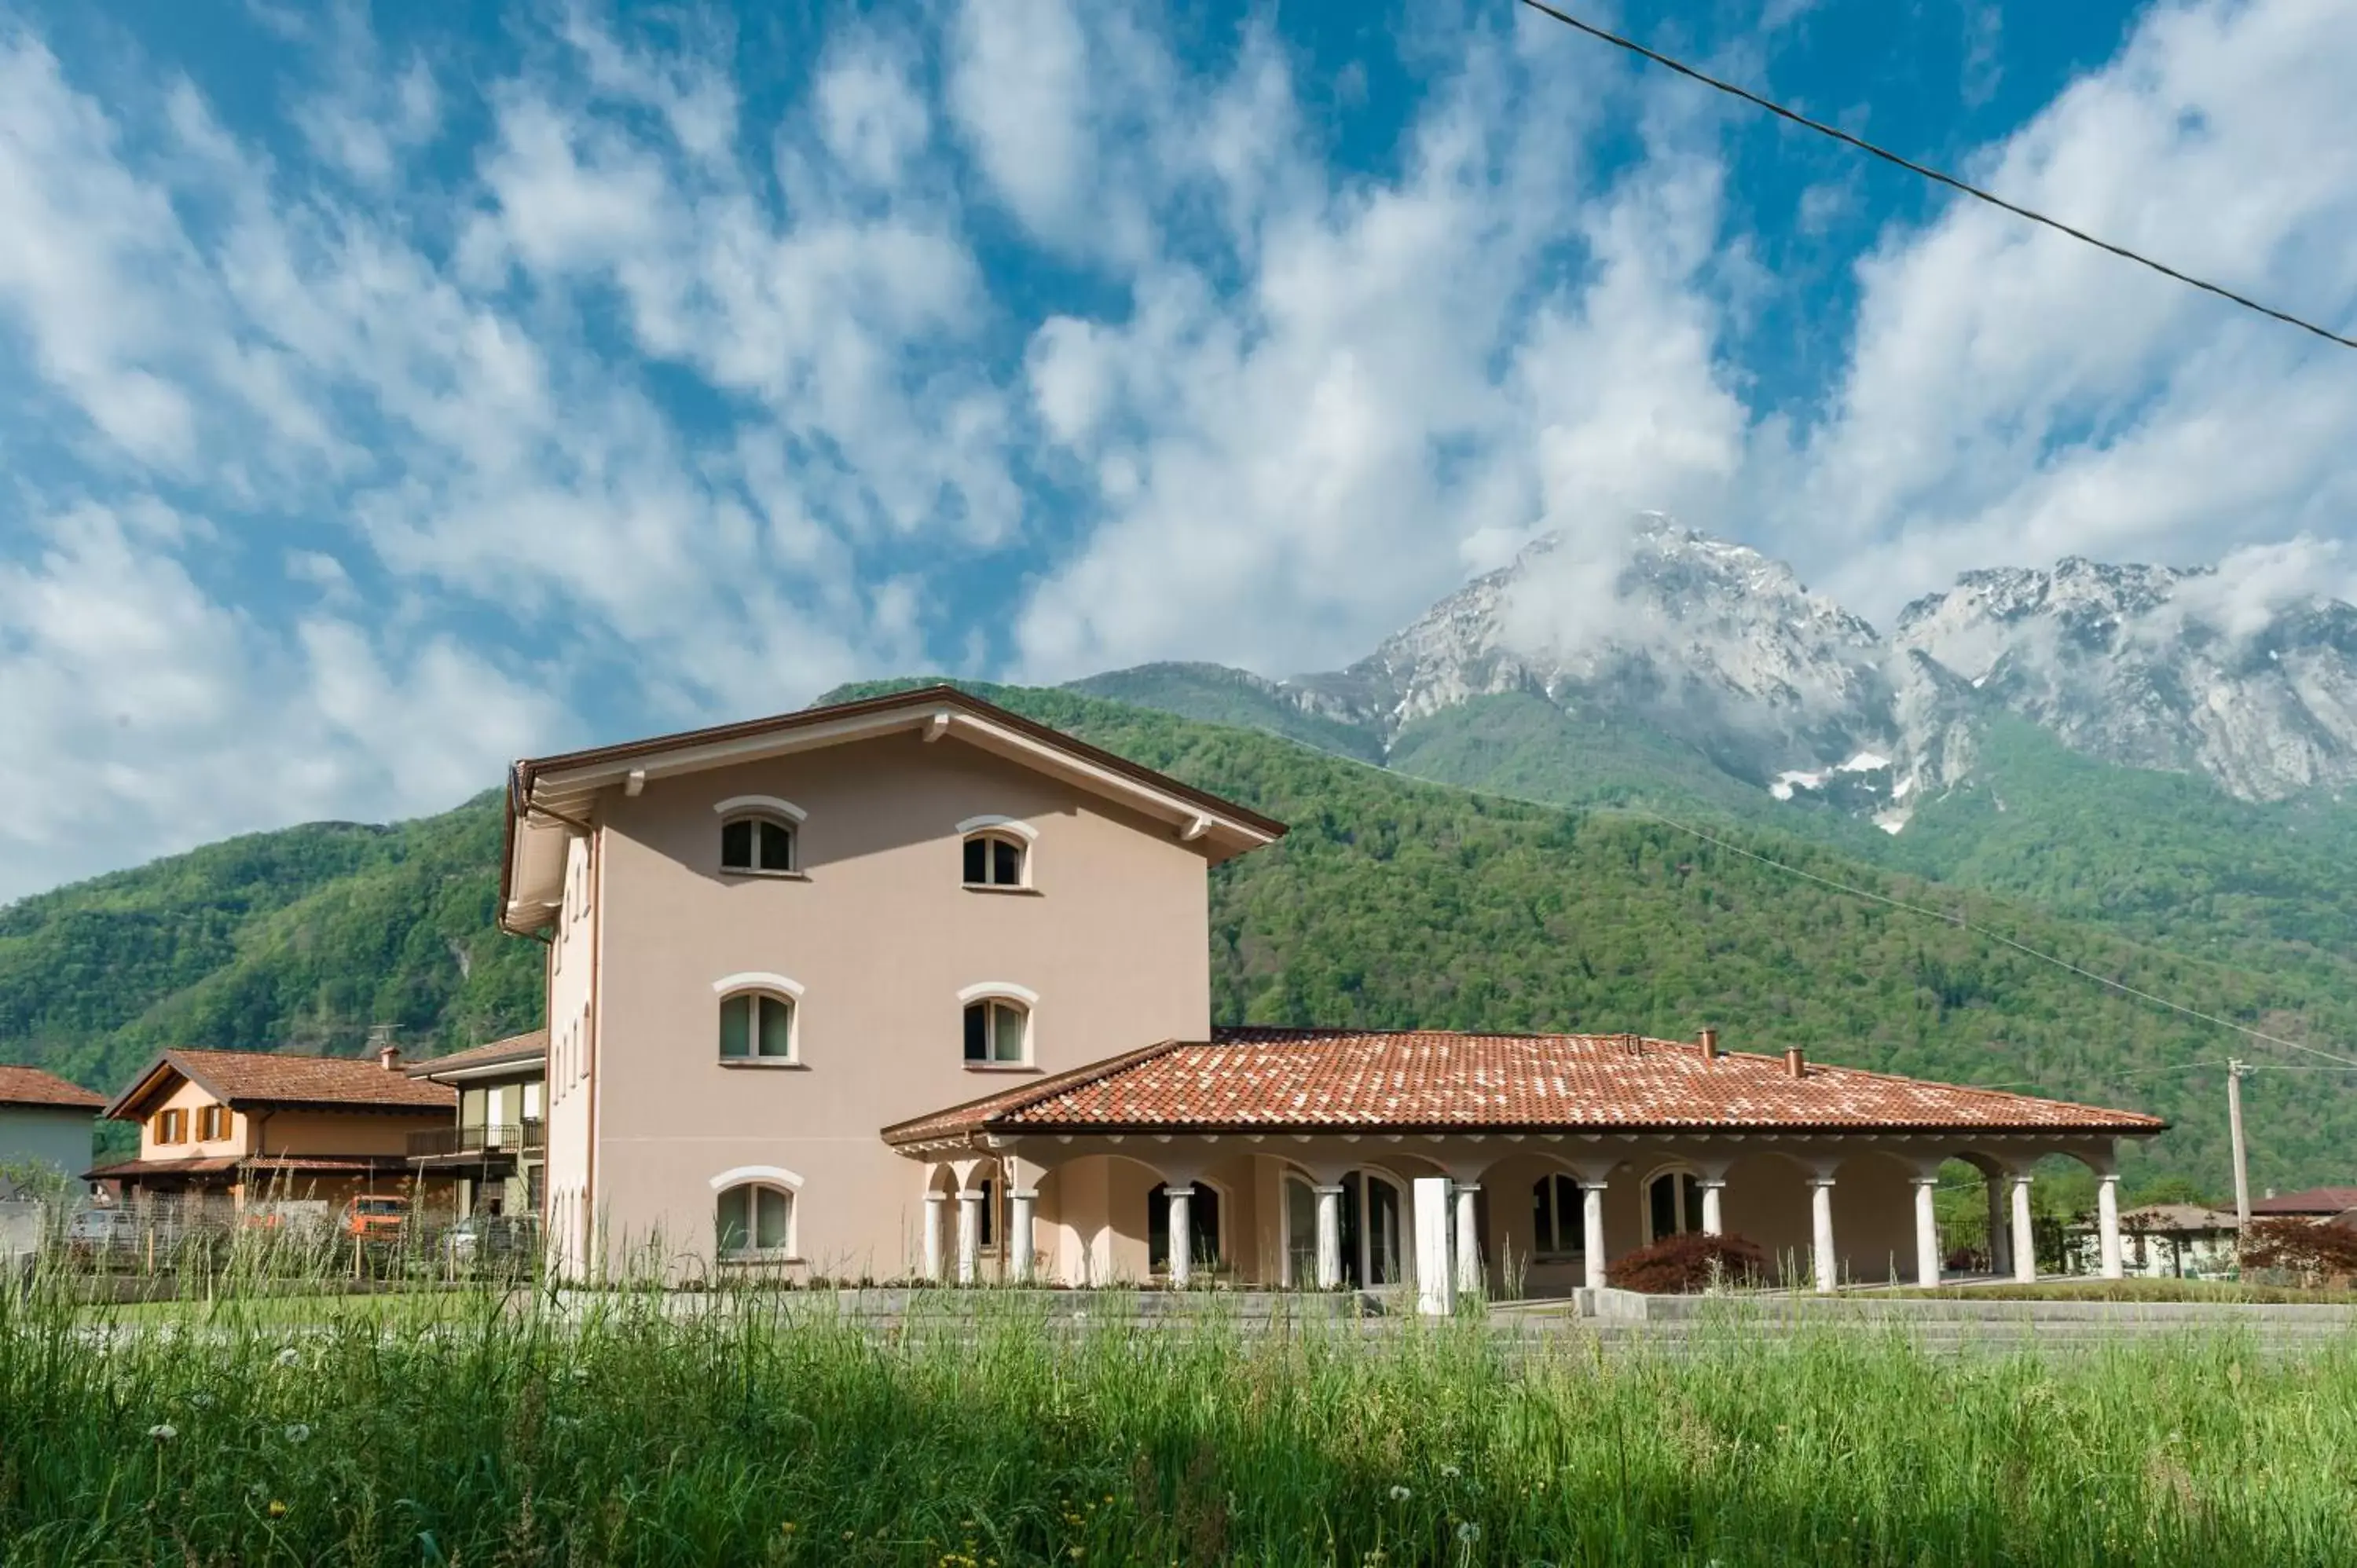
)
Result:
{"points": [[494, 1151], [219, 1130], [45, 1125], [777, 952]]}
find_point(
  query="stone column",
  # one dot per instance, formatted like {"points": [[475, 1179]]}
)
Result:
{"points": [[931, 1239], [1591, 1232], [1182, 1235], [1330, 1235], [2000, 1241], [2107, 1221], [969, 1235], [1468, 1238], [2025, 1238], [1713, 1220], [1927, 1231], [1020, 1260], [1820, 1233]]}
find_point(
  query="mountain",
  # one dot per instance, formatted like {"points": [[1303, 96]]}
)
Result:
{"points": [[1393, 902]]}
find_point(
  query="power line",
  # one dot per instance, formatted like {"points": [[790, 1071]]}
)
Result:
{"points": [[2116, 1077], [1931, 173], [1961, 923]]}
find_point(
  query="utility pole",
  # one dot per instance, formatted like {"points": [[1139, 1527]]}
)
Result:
{"points": [[2234, 1071]]}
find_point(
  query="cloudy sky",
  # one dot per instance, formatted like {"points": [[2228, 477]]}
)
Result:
{"points": [[386, 396]]}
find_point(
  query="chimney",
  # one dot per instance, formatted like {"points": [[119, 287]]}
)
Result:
{"points": [[388, 1055], [1710, 1045], [1793, 1064]]}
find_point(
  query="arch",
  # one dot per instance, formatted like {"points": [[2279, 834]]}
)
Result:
{"points": [[738, 1175], [765, 805], [998, 1021], [756, 1219], [757, 979], [1014, 825], [1685, 1200], [1006, 989]]}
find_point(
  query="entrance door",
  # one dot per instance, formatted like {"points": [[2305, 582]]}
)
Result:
{"points": [[1672, 1205], [1300, 1233], [1372, 1251]]}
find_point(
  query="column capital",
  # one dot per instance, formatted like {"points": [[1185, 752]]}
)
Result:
{"points": [[2107, 1178], [934, 1195], [1708, 1183], [1465, 1186], [1329, 1189], [1600, 1185], [1024, 1194], [1821, 1181], [969, 1195], [1932, 1181], [1184, 1189]]}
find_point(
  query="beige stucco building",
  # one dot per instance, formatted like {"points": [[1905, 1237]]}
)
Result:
{"points": [[915, 986]]}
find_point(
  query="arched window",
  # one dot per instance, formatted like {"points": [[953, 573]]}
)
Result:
{"points": [[997, 852], [759, 1020], [1672, 1205], [756, 1219], [1202, 1223], [997, 1031], [759, 835], [1559, 1217]]}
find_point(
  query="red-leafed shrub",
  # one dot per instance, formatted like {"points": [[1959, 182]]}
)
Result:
{"points": [[2319, 1254], [1681, 1265]]}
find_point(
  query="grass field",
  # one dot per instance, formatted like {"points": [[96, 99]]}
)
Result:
{"points": [[486, 1432], [2231, 1291]]}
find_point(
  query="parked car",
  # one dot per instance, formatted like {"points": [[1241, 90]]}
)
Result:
{"points": [[489, 1236], [103, 1231], [370, 1216]]}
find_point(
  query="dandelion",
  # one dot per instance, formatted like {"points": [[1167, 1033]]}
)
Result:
{"points": [[1401, 1494], [1467, 1533], [289, 1357], [201, 1399], [298, 1433], [278, 1510], [787, 1528], [1449, 1470], [163, 1432]]}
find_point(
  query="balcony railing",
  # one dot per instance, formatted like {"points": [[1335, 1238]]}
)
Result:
{"points": [[490, 1138]]}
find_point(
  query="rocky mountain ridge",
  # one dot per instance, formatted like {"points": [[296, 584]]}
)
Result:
{"points": [[1725, 650]]}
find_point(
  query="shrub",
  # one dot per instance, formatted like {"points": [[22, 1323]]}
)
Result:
{"points": [[1681, 1265], [2319, 1254]]}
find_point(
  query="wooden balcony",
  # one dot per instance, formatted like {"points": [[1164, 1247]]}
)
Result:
{"points": [[488, 1140]]}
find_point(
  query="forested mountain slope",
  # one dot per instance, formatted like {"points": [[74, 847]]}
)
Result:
{"points": [[1393, 902]]}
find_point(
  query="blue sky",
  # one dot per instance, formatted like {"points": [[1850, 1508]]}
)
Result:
{"points": [[386, 396]]}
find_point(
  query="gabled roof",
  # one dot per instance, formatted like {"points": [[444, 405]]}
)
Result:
{"points": [[259, 1079], [2179, 1217], [2315, 1200], [548, 797], [516, 1050], [31, 1085], [1339, 1080]]}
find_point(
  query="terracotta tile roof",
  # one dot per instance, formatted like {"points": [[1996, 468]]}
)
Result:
{"points": [[527, 1046], [2315, 1200], [1307, 1078], [220, 1165], [31, 1085], [270, 1077], [195, 1165]]}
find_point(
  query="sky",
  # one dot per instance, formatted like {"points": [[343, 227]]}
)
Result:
{"points": [[388, 395]]}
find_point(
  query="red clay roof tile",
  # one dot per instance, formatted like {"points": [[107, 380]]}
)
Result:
{"points": [[1306, 1079], [31, 1085]]}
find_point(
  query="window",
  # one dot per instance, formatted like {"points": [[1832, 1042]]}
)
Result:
{"points": [[1672, 1205], [1559, 1217], [756, 1026], [997, 1031], [757, 844], [212, 1121], [755, 1220], [172, 1126], [1202, 1223], [994, 860]]}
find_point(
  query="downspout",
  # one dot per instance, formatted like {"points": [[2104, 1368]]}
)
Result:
{"points": [[596, 1068]]}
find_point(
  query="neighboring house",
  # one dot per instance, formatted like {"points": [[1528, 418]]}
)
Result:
{"points": [[44, 1121], [2318, 1203], [496, 1151], [914, 985], [226, 1129], [2168, 1240]]}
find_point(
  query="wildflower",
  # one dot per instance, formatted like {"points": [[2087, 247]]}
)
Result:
{"points": [[277, 1509], [1467, 1533], [1401, 1494], [787, 1528], [289, 1357], [201, 1399], [298, 1433], [1449, 1471], [163, 1432]]}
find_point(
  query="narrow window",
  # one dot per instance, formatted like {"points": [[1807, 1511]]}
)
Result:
{"points": [[997, 1030], [995, 860], [753, 1219], [755, 1025], [1559, 1217], [756, 844]]}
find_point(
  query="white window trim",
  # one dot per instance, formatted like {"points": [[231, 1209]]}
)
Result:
{"points": [[776, 1178], [1006, 990], [757, 983], [1019, 828], [1645, 1197], [1003, 990], [753, 805]]}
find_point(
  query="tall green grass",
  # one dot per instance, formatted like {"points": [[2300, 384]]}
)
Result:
{"points": [[502, 1427]]}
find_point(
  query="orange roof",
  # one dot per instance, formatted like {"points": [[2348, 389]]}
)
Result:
{"points": [[31, 1085], [271, 1078], [1300, 1080], [530, 1046]]}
